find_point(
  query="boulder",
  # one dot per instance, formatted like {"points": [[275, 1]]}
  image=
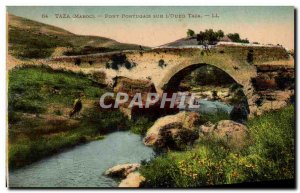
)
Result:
{"points": [[133, 180], [206, 128], [173, 130], [121, 171], [233, 134]]}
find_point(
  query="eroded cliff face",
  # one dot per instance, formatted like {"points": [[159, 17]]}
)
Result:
{"points": [[274, 86]]}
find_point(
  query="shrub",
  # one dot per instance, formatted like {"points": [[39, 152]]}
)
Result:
{"points": [[274, 143], [118, 61], [213, 117], [190, 33], [140, 126], [99, 77], [270, 157], [77, 61], [160, 173], [161, 63], [250, 56]]}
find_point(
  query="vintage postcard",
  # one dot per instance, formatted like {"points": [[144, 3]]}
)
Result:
{"points": [[150, 97]]}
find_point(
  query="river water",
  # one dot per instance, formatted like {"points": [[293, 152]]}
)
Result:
{"points": [[84, 165], [210, 107]]}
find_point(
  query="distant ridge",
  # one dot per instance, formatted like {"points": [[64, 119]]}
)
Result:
{"points": [[190, 41], [32, 39]]}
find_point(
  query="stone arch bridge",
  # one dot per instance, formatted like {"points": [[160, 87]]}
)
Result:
{"points": [[265, 73]]}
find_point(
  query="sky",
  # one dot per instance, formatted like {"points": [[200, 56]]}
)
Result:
{"points": [[273, 25]]}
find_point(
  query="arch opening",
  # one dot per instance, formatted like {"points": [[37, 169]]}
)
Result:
{"points": [[214, 89]]}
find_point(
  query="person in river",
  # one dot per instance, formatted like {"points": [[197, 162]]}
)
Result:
{"points": [[239, 113]]}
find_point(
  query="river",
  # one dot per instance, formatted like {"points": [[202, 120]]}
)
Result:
{"points": [[84, 165], [210, 107]]}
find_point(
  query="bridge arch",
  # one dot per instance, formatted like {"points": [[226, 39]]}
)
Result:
{"points": [[172, 79]]}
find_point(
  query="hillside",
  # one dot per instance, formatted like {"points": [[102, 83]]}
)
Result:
{"points": [[190, 41], [31, 39]]}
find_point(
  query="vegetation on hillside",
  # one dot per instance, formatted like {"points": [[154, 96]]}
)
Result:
{"points": [[209, 36], [30, 39], [271, 156], [39, 100], [190, 33], [235, 37]]}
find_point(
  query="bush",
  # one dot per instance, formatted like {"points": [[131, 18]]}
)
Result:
{"points": [[190, 33], [235, 37], [274, 143], [160, 173], [270, 157], [213, 117], [140, 126], [118, 61], [99, 77], [161, 63], [210, 36], [77, 62]]}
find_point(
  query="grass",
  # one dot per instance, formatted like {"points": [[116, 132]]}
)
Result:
{"points": [[29, 39], [140, 126], [35, 132], [87, 50], [26, 44], [270, 157], [32, 89], [214, 118]]}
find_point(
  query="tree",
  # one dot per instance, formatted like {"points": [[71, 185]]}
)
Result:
{"points": [[210, 36], [235, 37], [244, 41], [190, 33], [220, 34], [201, 37]]}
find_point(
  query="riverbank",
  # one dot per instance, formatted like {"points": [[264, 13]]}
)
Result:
{"points": [[39, 102], [270, 156], [84, 165]]}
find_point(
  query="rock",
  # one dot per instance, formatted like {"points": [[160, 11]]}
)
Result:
{"points": [[271, 100], [190, 120], [121, 171], [207, 128], [133, 180], [173, 130], [233, 134]]}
